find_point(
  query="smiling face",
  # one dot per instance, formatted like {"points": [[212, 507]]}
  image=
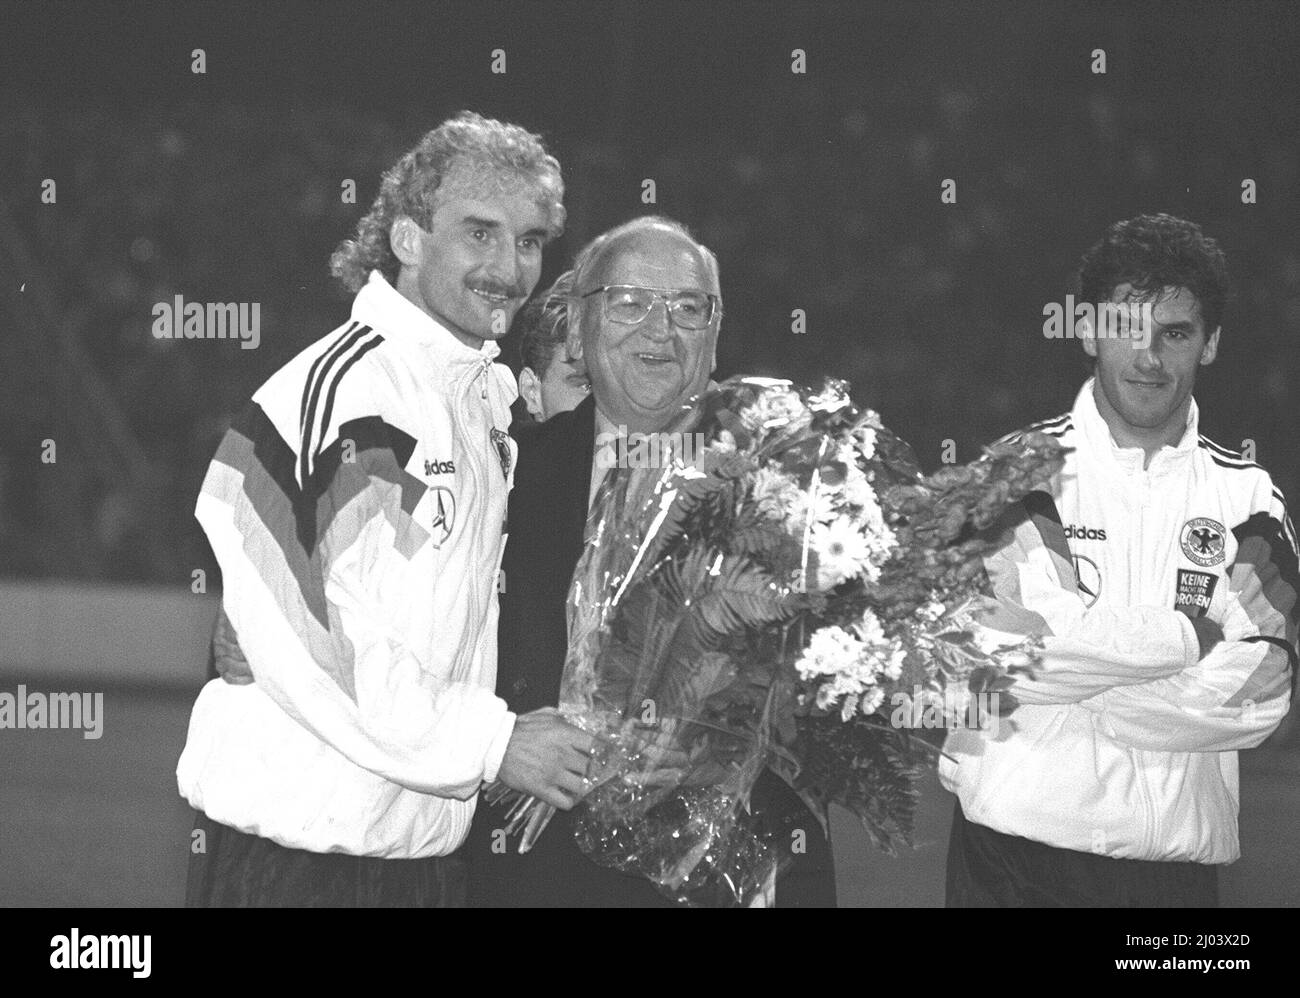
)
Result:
{"points": [[642, 374], [480, 258], [1144, 394]]}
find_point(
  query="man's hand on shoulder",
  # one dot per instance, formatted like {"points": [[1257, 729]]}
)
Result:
{"points": [[547, 758]]}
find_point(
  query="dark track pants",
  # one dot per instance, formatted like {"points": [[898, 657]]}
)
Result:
{"points": [[987, 869], [238, 870]]}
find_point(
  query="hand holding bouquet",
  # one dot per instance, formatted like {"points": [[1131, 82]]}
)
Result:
{"points": [[763, 594]]}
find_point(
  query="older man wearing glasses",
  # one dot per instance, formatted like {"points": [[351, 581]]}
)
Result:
{"points": [[643, 316]]}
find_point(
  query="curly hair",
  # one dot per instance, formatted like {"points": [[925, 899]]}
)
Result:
{"points": [[1152, 252], [411, 185]]}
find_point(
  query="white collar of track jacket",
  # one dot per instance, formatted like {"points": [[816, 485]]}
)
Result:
{"points": [[381, 305], [1130, 460]]}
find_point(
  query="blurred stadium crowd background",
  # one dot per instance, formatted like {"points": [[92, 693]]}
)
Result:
{"points": [[818, 191]]}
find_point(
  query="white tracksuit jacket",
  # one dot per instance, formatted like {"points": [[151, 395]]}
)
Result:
{"points": [[357, 509], [1126, 744]]}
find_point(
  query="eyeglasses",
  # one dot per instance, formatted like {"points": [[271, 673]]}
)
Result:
{"points": [[628, 304]]}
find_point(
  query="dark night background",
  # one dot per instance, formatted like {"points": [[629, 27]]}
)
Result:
{"points": [[818, 191]]}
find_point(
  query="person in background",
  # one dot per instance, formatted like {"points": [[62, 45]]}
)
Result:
{"points": [[549, 382]]}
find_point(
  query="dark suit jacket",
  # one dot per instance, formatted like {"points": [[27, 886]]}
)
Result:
{"points": [[547, 521]]}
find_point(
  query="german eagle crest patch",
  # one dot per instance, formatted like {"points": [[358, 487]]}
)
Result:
{"points": [[502, 442]]}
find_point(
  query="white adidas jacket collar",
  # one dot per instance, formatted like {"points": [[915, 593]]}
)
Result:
{"points": [[383, 307], [1096, 437]]}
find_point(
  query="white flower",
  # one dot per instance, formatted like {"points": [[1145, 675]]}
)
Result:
{"points": [[775, 409], [886, 654], [932, 611], [778, 496], [850, 664], [825, 505], [724, 443], [872, 700], [845, 685], [869, 521], [842, 552], [823, 510], [865, 438], [830, 652], [864, 434], [846, 454], [857, 489], [894, 665], [869, 629]]}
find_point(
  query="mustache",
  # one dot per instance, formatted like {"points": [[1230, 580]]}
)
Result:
{"points": [[504, 290]]}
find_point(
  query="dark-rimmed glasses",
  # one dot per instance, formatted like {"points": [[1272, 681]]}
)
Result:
{"points": [[629, 304]]}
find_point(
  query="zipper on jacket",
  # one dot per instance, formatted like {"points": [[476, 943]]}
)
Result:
{"points": [[1138, 763], [482, 479], [479, 481]]}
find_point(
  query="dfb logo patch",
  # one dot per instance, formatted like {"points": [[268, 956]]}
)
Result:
{"points": [[1202, 541], [502, 441]]}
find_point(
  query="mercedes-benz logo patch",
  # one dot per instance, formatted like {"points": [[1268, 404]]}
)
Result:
{"points": [[1202, 541], [444, 514], [1089, 576]]}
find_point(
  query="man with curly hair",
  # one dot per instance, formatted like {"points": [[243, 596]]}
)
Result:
{"points": [[357, 509], [1115, 784]]}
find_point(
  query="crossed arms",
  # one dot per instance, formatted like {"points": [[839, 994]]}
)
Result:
{"points": [[1155, 678]]}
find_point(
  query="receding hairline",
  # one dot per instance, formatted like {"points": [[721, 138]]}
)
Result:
{"points": [[597, 253], [481, 178]]}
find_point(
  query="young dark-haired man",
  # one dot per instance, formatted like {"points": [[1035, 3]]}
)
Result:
{"points": [[1116, 784]]}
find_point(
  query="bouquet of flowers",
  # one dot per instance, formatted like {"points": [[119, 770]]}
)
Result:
{"points": [[777, 585]]}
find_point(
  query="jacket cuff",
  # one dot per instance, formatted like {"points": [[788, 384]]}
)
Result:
{"points": [[497, 750]]}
